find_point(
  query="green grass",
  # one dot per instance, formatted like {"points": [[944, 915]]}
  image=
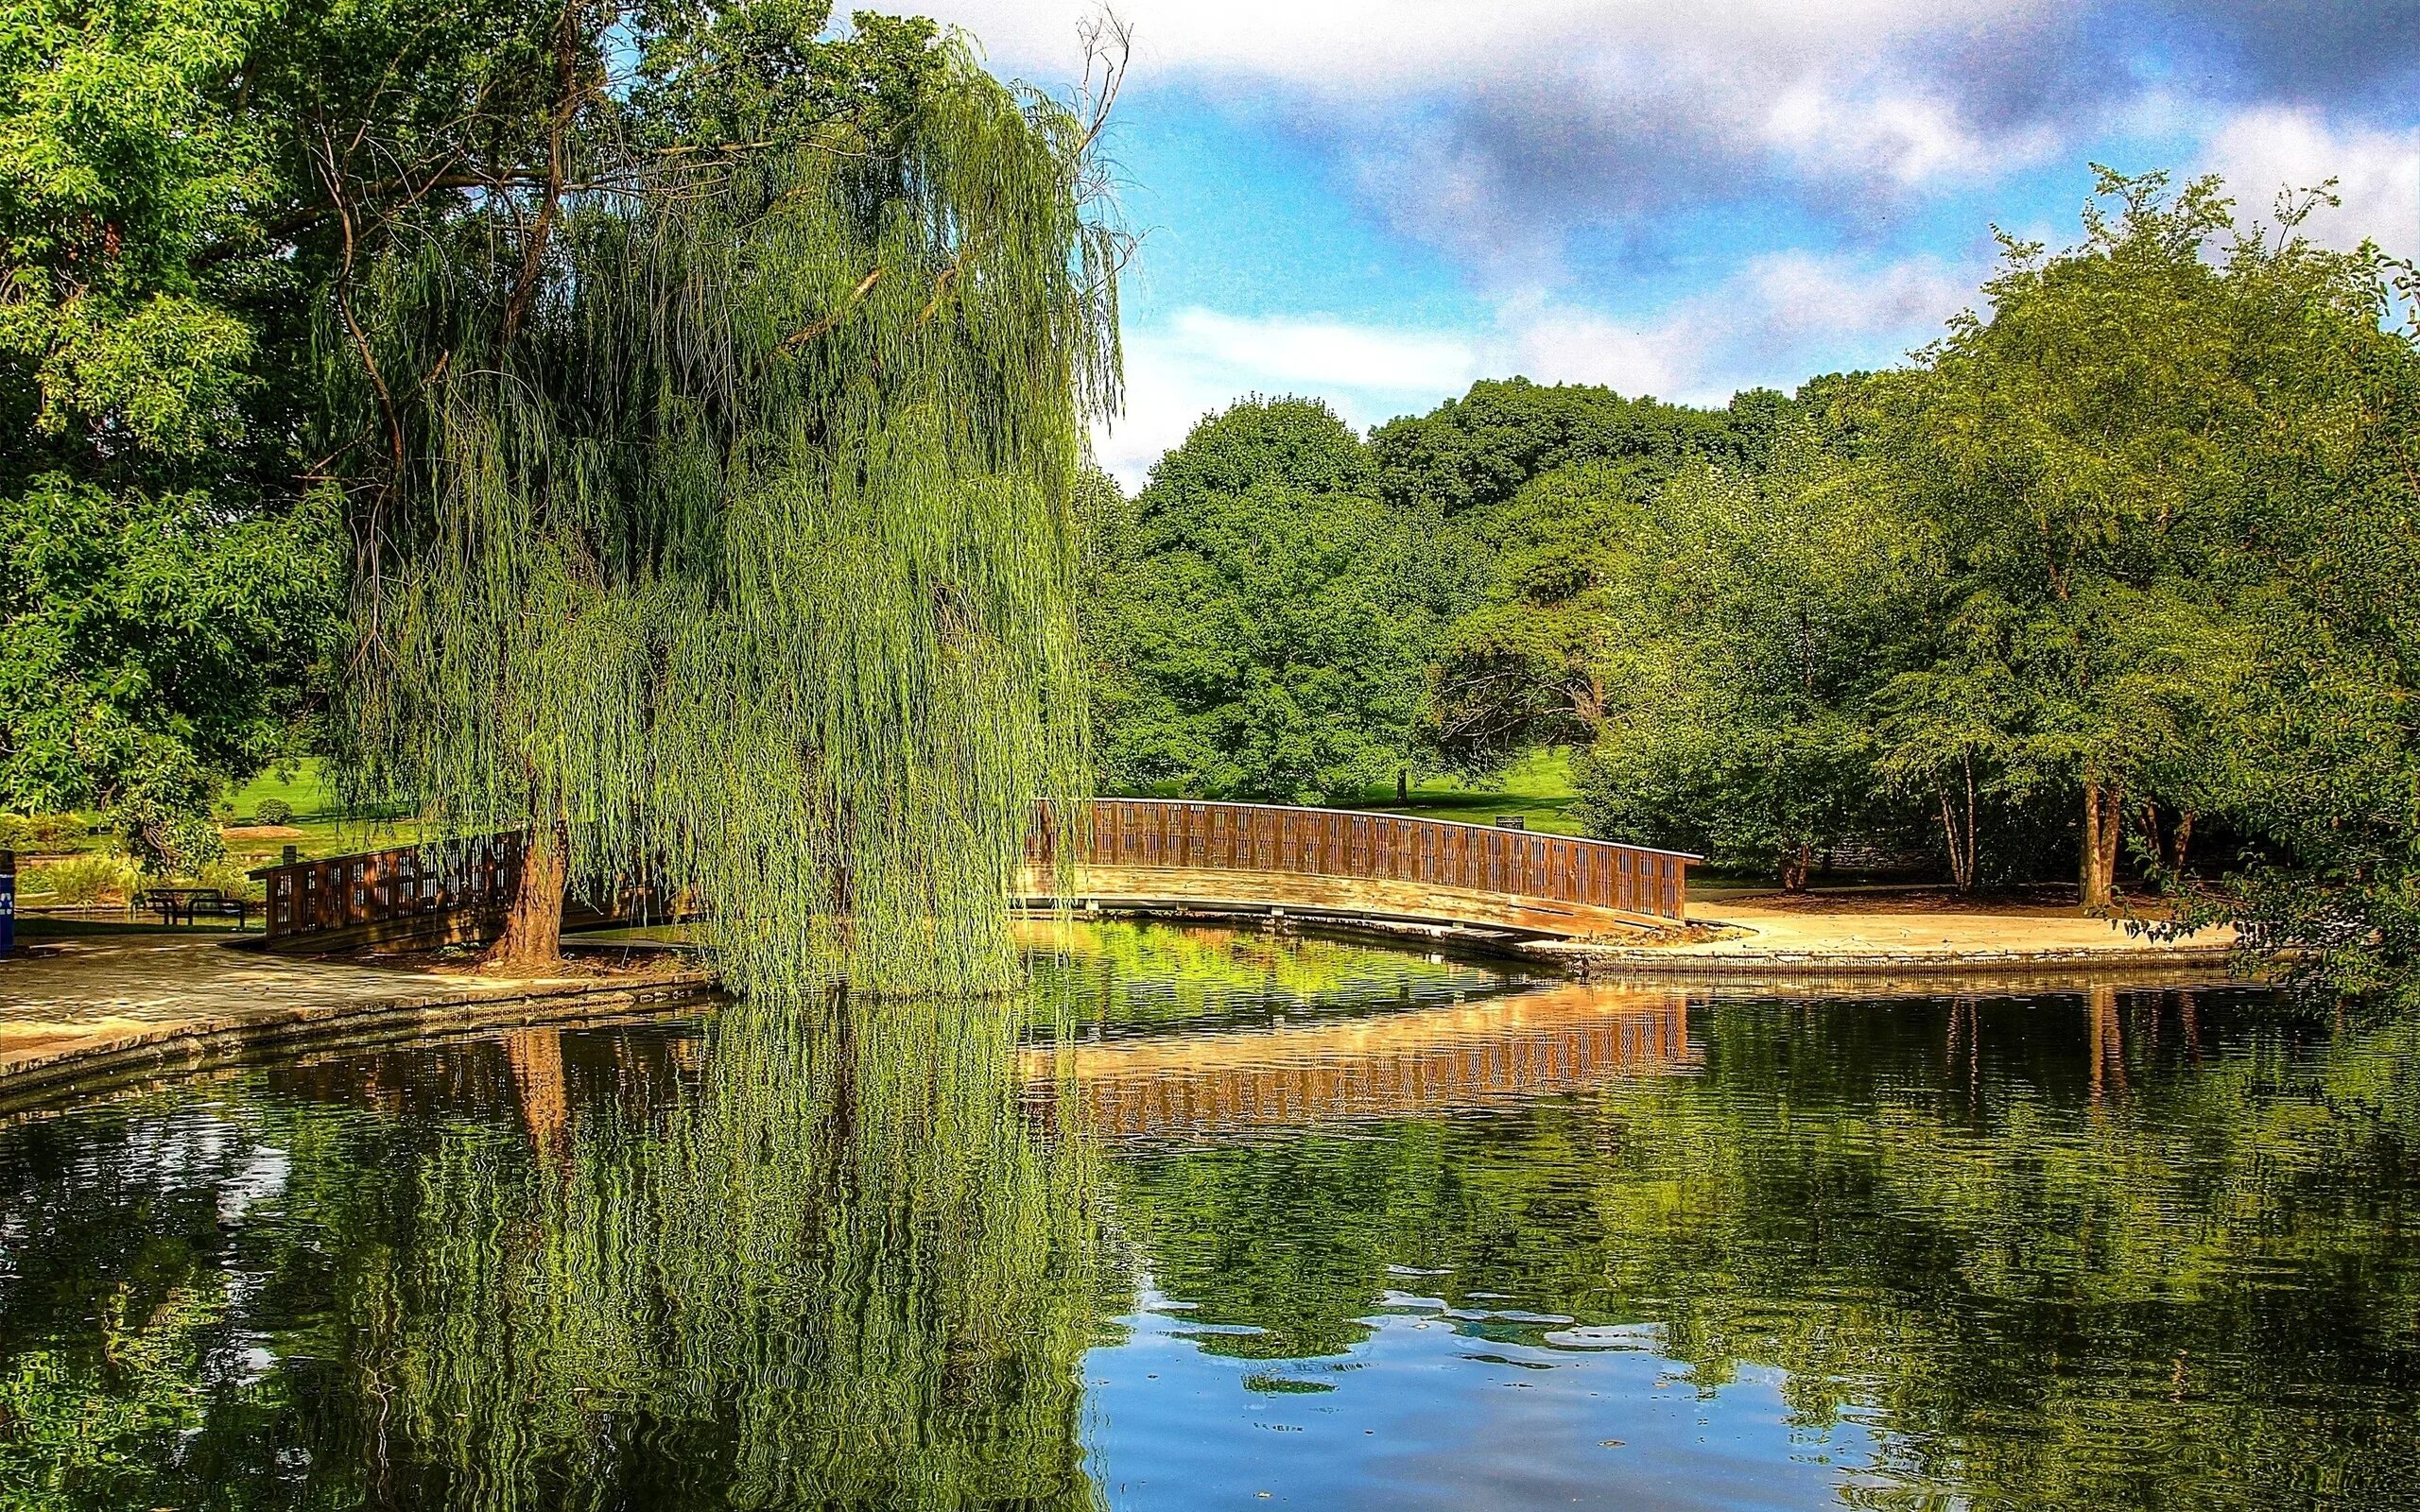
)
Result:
{"points": [[1537, 787], [319, 827], [304, 790]]}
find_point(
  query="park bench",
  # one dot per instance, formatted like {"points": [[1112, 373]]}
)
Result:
{"points": [[194, 903]]}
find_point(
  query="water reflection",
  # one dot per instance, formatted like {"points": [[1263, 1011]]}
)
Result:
{"points": [[1418, 1060], [815, 1256], [1371, 1229]]}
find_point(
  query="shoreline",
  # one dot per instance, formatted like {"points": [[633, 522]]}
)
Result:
{"points": [[160, 1005], [79, 1014]]}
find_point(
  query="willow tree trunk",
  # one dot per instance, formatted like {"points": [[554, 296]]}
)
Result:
{"points": [[533, 929]]}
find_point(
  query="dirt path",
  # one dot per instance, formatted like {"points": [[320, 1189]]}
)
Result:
{"points": [[1854, 933]]}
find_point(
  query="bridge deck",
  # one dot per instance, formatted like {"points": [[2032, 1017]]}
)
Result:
{"points": [[1128, 853]]}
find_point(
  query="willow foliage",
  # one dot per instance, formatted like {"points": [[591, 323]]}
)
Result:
{"points": [[728, 540]]}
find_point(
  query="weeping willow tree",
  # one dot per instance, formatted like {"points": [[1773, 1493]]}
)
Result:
{"points": [[717, 532]]}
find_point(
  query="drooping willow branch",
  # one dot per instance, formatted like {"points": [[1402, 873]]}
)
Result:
{"points": [[749, 569]]}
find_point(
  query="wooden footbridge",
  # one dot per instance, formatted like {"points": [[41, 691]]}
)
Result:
{"points": [[1130, 854]]}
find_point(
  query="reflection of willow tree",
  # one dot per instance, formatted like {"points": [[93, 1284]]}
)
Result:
{"points": [[1124, 972], [2052, 1300], [835, 1263], [844, 1269]]}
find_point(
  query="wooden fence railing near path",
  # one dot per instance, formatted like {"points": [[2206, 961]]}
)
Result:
{"points": [[466, 879], [453, 888]]}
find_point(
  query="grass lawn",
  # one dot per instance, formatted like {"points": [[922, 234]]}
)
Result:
{"points": [[319, 827], [1537, 787]]}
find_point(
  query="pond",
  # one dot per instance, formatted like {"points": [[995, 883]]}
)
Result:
{"points": [[1220, 1219]]}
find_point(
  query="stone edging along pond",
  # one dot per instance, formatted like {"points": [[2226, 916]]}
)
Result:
{"points": [[85, 1063], [1586, 961]]}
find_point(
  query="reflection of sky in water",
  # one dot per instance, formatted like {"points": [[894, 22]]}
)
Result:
{"points": [[1448, 1408]]}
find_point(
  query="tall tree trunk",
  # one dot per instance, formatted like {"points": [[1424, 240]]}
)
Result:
{"points": [[2096, 853], [2181, 842], [1403, 785], [1966, 760], [533, 930], [1959, 875], [2112, 830], [1795, 868], [1962, 845]]}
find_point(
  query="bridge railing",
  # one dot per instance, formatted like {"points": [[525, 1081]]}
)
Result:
{"points": [[478, 877], [1183, 832], [473, 877]]}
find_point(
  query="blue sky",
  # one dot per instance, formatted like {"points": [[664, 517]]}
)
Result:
{"points": [[1378, 203]]}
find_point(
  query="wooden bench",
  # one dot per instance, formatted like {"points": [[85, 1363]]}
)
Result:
{"points": [[194, 903]]}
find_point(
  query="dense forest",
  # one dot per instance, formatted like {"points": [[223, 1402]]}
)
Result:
{"points": [[2112, 582]]}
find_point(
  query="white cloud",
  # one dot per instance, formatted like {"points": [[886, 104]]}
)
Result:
{"points": [[2270, 148], [1360, 47], [1908, 136], [1320, 352], [1803, 294], [1201, 360], [1771, 324], [1498, 131], [1776, 321]]}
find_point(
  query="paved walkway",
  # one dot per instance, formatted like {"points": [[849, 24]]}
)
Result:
{"points": [[125, 999]]}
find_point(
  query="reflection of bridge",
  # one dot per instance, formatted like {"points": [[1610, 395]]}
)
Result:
{"points": [[1130, 853], [1559, 1039]]}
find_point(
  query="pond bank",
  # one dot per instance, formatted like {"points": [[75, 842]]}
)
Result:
{"points": [[92, 1009], [84, 1010], [1776, 936]]}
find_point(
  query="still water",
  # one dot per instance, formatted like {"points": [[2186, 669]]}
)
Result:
{"points": [[1221, 1220]]}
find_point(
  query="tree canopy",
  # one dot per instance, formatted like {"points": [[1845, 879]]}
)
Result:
{"points": [[1262, 626], [711, 522]]}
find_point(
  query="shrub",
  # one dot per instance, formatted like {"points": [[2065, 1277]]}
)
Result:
{"points": [[41, 832], [87, 879], [273, 811], [230, 880], [169, 840]]}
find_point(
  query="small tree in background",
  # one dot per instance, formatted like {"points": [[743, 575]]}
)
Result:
{"points": [[1740, 716]]}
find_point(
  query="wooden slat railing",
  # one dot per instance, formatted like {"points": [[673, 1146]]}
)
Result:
{"points": [[468, 877], [476, 877], [1183, 832]]}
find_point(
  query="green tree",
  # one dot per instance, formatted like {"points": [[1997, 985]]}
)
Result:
{"points": [[2080, 455], [717, 528], [166, 592], [1478, 450], [149, 651], [1771, 608], [1526, 660], [1264, 628], [1528, 663]]}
